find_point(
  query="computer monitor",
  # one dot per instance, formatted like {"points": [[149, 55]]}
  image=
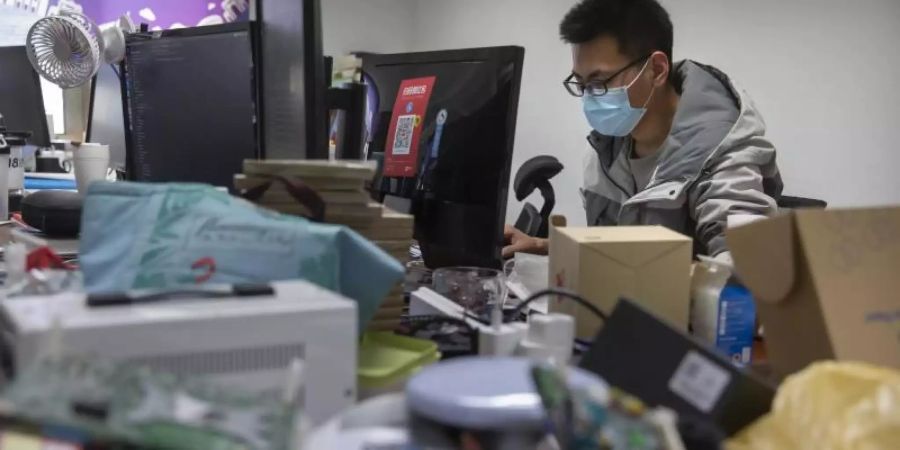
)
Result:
{"points": [[21, 99], [190, 104], [106, 123], [447, 140], [294, 80]]}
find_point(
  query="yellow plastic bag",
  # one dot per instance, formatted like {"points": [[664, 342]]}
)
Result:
{"points": [[830, 406]]}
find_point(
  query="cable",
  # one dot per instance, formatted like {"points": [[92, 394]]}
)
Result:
{"points": [[422, 323], [561, 293]]}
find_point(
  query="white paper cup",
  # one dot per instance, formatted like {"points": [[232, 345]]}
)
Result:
{"points": [[91, 162]]}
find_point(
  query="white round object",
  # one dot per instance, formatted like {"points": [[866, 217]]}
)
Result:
{"points": [[113, 44], [65, 49], [490, 394]]}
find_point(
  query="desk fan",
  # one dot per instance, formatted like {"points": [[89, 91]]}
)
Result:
{"points": [[67, 47]]}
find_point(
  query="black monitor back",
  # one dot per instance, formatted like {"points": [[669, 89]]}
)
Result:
{"points": [[637, 352], [294, 80], [190, 103], [21, 100], [458, 199]]}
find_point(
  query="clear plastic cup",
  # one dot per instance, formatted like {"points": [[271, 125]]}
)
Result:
{"points": [[475, 289]]}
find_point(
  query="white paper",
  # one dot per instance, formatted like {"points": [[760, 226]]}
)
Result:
{"points": [[54, 106]]}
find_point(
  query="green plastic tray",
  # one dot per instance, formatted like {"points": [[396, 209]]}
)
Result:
{"points": [[386, 358]]}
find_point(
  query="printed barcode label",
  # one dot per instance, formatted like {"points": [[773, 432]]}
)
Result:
{"points": [[403, 134], [699, 381]]}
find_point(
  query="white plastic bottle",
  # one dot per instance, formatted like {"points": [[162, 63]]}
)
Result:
{"points": [[707, 282]]}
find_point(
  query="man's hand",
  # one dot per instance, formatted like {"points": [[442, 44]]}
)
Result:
{"points": [[519, 242]]}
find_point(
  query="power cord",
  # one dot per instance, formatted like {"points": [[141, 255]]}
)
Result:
{"points": [[418, 324], [565, 293]]}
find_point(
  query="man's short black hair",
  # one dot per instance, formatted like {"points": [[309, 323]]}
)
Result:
{"points": [[640, 27]]}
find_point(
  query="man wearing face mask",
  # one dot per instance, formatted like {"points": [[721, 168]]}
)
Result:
{"points": [[677, 144]]}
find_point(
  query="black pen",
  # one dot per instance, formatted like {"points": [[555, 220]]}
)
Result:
{"points": [[98, 300]]}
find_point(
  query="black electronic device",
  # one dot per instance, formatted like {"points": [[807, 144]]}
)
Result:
{"points": [[535, 174], [56, 213], [21, 98], [190, 104], [458, 194], [646, 357], [106, 122], [294, 120]]}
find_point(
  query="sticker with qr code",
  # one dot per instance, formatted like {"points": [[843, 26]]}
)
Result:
{"points": [[699, 381], [403, 136], [401, 159]]}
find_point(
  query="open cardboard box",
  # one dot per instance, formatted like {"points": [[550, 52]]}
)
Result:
{"points": [[826, 283]]}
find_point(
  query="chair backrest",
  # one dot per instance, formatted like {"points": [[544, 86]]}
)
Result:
{"points": [[788, 202]]}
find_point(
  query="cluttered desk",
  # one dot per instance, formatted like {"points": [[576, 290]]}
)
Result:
{"points": [[200, 274]]}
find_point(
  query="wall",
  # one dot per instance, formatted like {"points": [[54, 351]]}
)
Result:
{"points": [[825, 75], [823, 72], [380, 26]]}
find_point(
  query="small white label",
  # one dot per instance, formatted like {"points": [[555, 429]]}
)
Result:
{"points": [[723, 318], [746, 355], [699, 381]]}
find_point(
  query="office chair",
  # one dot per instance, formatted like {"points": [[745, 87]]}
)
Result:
{"points": [[536, 174]]}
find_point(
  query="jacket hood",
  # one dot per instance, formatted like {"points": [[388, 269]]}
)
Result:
{"points": [[712, 114]]}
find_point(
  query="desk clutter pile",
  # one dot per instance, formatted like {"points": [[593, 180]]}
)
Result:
{"points": [[641, 382], [341, 187]]}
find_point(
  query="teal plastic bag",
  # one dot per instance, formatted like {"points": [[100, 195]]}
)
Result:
{"points": [[158, 236]]}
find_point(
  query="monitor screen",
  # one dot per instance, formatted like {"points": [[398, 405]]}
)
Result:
{"points": [[190, 103], [446, 125], [21, 100], [106, 125]]}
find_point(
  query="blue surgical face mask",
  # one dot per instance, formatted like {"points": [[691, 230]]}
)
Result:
{"points": [[612, 114]]}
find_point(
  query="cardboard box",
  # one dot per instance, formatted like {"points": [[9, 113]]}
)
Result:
{"points": [[826, 283], [648, 264]]}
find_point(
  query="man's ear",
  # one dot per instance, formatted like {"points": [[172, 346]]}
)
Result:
{"points": [[659, 62]]}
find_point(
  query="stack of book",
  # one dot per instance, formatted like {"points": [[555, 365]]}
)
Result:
{"points": [[341, 185]]}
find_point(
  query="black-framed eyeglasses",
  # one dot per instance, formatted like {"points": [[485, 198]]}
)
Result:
{"points": [[596, 88]]}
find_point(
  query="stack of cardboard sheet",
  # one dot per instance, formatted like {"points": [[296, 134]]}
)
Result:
{"points": [[341, 184]]}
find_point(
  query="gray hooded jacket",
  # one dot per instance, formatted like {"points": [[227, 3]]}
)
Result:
{"points": [[716, 162]]}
